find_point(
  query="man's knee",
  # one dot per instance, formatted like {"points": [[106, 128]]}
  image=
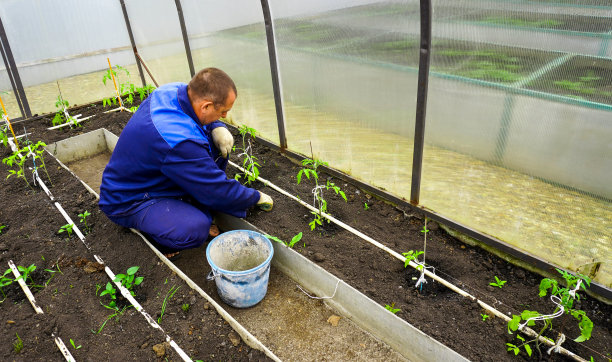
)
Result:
{"points": [[194, 234]]}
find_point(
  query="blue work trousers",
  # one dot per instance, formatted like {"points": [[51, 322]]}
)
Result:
{"points": [[172, 224]]}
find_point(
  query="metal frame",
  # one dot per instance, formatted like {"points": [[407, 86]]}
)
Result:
{"points": [[421, 106], [131, 35], [276, 86], [179, 10], [13, 72]]}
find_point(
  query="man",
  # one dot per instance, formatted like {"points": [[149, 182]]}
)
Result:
{"points": [[167, 172]]}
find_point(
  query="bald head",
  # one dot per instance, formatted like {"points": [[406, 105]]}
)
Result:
{"points": [[213, 85]]}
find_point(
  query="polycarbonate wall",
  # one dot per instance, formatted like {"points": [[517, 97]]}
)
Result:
{"points": [[519, 120], [65, 42], [517, 136]]}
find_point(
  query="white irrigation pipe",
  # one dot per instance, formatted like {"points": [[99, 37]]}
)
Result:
{"points": [[58, 341], [126, 293], [530, 332], [76, 122]]}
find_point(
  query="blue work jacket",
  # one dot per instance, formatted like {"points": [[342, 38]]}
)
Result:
{"points": [[164, 152]]}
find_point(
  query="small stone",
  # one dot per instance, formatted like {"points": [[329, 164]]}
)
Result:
{"points": [[207, 306], [520, 273], [3, 247], [193, 300], [432, 226], [234, 338], [144, 345], [160, 350], [318, 257], [333, 320]]}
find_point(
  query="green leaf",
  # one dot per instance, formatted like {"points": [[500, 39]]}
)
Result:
{"points": [[514, 323], [528, 350], [299, 176], [138, 280], [295, 239], [133, 270]]}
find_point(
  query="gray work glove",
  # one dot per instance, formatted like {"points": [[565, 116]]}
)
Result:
{"points": [[223, 140], [265, 202]]}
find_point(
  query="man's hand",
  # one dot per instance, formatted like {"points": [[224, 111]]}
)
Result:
{"points": [[223, 140], [265, 202]]}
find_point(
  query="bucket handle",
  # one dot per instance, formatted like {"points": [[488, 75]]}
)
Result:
{"points": [[212, 275]]}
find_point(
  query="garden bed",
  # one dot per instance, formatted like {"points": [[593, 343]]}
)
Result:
{"points": [[453, 320], [436, 310], [71, 299]]}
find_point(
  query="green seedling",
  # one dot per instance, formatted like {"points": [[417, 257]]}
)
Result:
{"points": [[129, 280], [412, 256], [125, 87], [169, 296], [53, 272], [249, 162], [484, 317], [66, 229], [365, 206], [74, 344], [4, 129], [5, 281], [118, 313], [61, 115], [18, 160], [185, 307], [1, 228], [564, 297], [144, 92], [83, 218], [26, 274], [498, 282], [310, 170], [290, 244], [18, 345], [112, 293], [391, 308]]}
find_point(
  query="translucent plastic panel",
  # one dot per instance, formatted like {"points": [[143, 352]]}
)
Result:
{"points": [[513, 149], [158, 37], [349, 81], [66, 43], [233, 38]]}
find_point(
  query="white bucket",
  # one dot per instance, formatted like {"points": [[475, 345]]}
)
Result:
{"points": [[240, 262]]}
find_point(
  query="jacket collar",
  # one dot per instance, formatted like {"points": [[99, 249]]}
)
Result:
{"points": [[185, 104]]}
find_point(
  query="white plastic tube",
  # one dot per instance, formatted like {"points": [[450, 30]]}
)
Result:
{"points": [[396, 255]]}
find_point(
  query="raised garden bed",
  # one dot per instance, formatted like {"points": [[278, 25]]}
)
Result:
{"points": [[439, 312], [71, 298]]}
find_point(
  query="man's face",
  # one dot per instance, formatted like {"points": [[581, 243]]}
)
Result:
{"points": [[210, 113]]}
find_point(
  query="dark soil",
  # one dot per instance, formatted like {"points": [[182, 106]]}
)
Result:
{"points": [[451, 319], [73, 307], [70, 296]]}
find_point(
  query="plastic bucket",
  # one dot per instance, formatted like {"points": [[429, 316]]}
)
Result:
{"points": [[240, 262]]}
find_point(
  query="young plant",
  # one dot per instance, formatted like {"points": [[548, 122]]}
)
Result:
{"points": [[169, 296], [290, 244], [484, 316], [26, 273], [37, 150], [1, 228], [17, 160], [61, 115], [249, 162], [498, 282], [185, 307], [112, 293], [310, 170], [129, 279], [4, 129], [413, 256], [365, 206], [5, 281], [391, 308], [53, 272], [564, 298], [126, 88], [83, 218], [74, 344], [66, 229], [18, 345], [118, 313], [144, 92]]}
